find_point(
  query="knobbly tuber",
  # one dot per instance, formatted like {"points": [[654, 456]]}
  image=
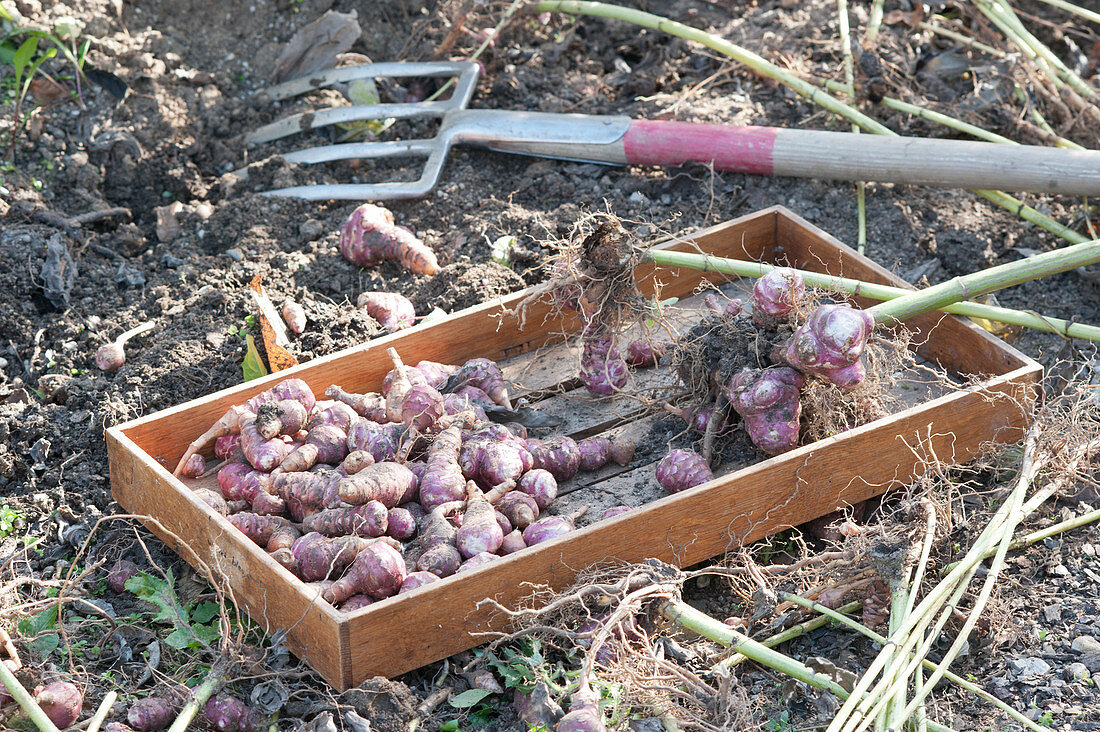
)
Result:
{"points": [[356, 460], [777, 292], [370, 236], [603, 370], [596, 452], [485, 375], [369, 519], [682, 469], [392, 311], [513, 542], [194, 467], [325, 443], [380, 440], [228, 714], [386, 482], [646, 352], [318, 557], [226, 445], [213, 499], [400, 524], [111, 356], [416, 579], [551, 527], [370, 405], [264, 530], [829, 344], [378, 571], [284, 417], [421, 407], [558, 455], [699, 418], [439, 555], [435, 374], [443, 481], [540, 485], [476, 561], [151, 714], [768, 401], [520, 508], [61, 701], [121, 571], [355, 602]]}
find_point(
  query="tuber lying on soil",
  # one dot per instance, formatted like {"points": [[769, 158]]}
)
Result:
{"points": [[370, 236], [682, 469], [392, 311], [558, 455], [698, 418], [768, 400], [597, 452], [61, 701], [294, 315], [121, 571], [151, 714], [228, 714], [111, 356]]}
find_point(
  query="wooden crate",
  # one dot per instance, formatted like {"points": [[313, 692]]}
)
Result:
{"points": [[403, 633]]}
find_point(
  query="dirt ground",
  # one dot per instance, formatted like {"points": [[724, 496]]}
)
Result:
{"points": [[190, 69]]}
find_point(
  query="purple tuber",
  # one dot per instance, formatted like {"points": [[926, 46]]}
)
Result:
{"points": [[392, 311], [682, 469], [400, 524], [768, 401], [550, 527], [480, 532], [421, 407], [294, 315], [603, 370], [512, 542], [646, 352], [540, 485], [121, 571], [777, 292], [111, 356], [228, 714], [370, 236], [194, 467], [387, 482], [417, 579], [596, 452], [151, 714], [485, 375], [584, 714], [476, 561], [377, 571], [519, 507], [61, 701], [829, 344]]}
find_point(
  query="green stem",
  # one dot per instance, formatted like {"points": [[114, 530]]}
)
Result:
{"points": [[795, 631], [874, 22], [737, 53], [699, 622], [985, 281], [744, 268], [1075, 9], [26, 701], [960, 38], [1037, 536], [952, 677], [850, 91], [198, 698]]}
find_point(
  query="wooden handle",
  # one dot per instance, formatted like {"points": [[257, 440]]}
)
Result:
{"points": [[846, 156]]}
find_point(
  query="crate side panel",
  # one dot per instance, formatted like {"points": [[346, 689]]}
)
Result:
{"points": [[267, 592], [436, 621]]}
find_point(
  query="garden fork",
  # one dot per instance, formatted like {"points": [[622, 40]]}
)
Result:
{"points": [[620, 140]]}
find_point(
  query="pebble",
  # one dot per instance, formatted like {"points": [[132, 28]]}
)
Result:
{"points": [[1052, 613], [311, 229], [1088, 550], [3, 363], [1032, 666], [235, 254], [1077, 672], [69, 346], [1085, 644]]}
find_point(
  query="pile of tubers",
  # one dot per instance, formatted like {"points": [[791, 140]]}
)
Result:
{"points": [[371, 495]]}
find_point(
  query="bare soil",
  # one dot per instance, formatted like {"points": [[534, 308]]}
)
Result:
{"points": [[191, 68]]}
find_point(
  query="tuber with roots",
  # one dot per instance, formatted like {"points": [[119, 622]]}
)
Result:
{"points": [[603, 370], [111, 356], [377, 571], [768, 402], [646, 352], [584, 714], [61, 701], [389, 483], [294, 315], [682, 469], [698, 418], [370, 236], [777, 292], [392, 311], [829, 344]]}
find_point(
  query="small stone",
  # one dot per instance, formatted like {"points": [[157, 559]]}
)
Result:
{"points": [[1033, 666], [1077, 672], [235, 254], [170, 261], [1060, 571], [311, 229], [1085, 644], [1088, 550], [3, 362], [69, 346], [1052, 613]]}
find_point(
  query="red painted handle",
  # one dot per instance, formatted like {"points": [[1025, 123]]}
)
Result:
{"points": [[737, 149]]}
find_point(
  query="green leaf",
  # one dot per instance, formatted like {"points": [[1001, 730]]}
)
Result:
{"points": [[38, 622], [253, 366], [451, 725], [6, 14], [468, 698], [180, 639], [205, 612], [23, 56], [162, 593]]}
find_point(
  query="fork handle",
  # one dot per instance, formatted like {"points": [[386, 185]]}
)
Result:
{"points": [[840, 156]]}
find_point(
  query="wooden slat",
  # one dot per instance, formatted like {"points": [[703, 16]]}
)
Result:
{"points": [[403, 633]]}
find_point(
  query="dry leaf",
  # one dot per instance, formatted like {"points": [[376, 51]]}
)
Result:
{"points": [[272, 328], [167, 223], [317, 45]]}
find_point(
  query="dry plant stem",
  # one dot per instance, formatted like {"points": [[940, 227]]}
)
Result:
{"points": [[136, 331], [688, 617], [986, 281], [899, 599], [26, 701], [484, 44], [742, 268], [1075, 9], [959, 681], [804, 88], [101, 714], [960, 38], [795, 631]]}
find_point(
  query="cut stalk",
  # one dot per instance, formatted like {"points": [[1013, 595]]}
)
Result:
{"points": [[26, 701], [795, 631], [200, 696], [960, 38], [952, 677], [874, 22], [850, 91], [813, 93], [986, 281], [101, 714], [999, 314], [699, 622], [1075, 9]]}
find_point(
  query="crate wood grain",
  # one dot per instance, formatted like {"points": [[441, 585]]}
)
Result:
{"points": [[435, 621]]}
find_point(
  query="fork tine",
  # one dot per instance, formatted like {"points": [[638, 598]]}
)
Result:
{"points": [[337, 115], [349, 150], [370, 191], [396, 69]]}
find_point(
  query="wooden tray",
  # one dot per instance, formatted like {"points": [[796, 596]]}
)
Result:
{"points": [[435, 621]]}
